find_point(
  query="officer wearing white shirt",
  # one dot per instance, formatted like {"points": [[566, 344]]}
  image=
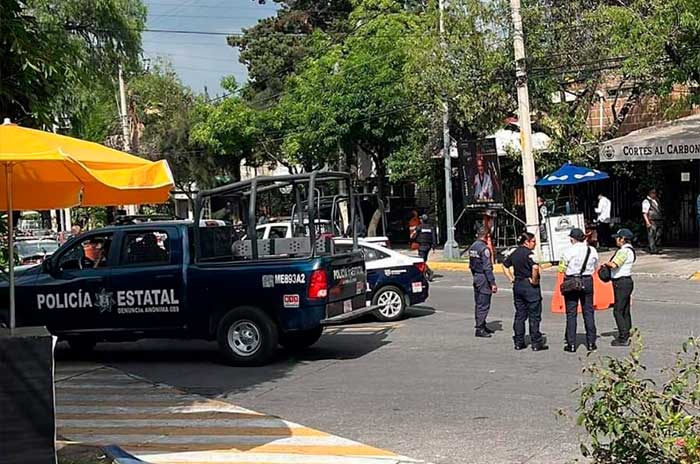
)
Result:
{"points": [[603, 210], [621, 273], [579, 260]]}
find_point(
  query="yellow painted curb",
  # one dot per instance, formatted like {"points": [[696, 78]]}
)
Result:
{"points": [[464, 266], [695, 276]]}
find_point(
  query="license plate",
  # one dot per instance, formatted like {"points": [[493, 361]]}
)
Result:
{"points": [[347, 306], [417, 287]]}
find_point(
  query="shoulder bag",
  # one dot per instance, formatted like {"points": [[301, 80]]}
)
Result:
{"points": [[574, 284]]}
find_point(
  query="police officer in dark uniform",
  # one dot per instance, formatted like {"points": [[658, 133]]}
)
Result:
{"points": [[425, 238], [484, 281], [527, 297]]}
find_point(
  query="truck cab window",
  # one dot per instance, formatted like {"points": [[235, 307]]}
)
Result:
{"points": [[152, 248], [90, 253]]}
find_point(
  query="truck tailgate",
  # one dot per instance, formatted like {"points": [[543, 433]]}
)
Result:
{"points": [[347, 284]]}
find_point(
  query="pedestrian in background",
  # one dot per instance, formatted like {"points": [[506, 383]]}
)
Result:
{"points": [[413, 224], [542, 208], [484, 281], [621, 274], [425, 237], [579, 262], [527, 296], [653, 220], [603, 210]]}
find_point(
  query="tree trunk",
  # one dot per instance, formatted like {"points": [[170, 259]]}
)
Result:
{"points": [[632, 100]]}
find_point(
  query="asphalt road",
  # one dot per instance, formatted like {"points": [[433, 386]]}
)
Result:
{"points": [[426, 387]]}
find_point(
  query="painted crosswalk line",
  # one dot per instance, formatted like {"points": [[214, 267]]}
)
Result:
{"points": [[160, 424]]}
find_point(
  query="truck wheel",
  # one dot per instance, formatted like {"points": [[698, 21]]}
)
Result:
{"points": [[392, 302], [298, 340], [82, 344], [247, 337]]}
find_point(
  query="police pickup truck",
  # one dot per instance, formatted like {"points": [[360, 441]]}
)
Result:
{"points": [[177, 280]]}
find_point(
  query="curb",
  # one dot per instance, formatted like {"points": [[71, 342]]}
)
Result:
{"points": [[695, 276]]}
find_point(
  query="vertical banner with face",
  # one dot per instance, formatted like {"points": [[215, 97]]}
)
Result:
{"points": [[481, 173]]}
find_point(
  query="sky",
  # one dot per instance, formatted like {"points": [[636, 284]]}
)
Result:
{"points": [[201, 60]]}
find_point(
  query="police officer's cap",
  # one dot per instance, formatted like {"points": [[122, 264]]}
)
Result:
{"points": [[577, 234], [424, 217], [624, 233]]}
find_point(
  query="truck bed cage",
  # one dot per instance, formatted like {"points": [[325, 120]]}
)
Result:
{"points": [[251, 187]]}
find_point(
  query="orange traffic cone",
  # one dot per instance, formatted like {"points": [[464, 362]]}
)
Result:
{"points": [[603, 296]]}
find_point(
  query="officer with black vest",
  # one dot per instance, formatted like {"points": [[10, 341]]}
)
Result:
{"points": [[484, 281], [425, 237], [527, 297]]}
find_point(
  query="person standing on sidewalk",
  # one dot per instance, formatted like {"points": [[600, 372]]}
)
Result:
{"points": [[621, 274], [527, 296], [603, 210], [579, 261], [484, 281], [425, 237], [653, 219]]}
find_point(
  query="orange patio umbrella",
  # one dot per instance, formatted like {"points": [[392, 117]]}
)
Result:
{"points": [[42, 170]]}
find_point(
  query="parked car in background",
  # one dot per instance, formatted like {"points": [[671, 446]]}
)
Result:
{"points": [[394, 280], [34, 250]]}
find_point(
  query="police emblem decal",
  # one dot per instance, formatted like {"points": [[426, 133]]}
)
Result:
{"points": [[104, 301], [609, 152], [268, 281]]}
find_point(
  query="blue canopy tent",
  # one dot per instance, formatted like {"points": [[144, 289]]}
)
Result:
{"points": [[570, 174]]}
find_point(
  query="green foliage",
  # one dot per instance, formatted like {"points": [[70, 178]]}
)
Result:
{"points": [[50, 49], [629, 419]]}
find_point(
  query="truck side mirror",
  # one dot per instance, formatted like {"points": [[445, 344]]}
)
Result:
{"points": [[48, 266]]}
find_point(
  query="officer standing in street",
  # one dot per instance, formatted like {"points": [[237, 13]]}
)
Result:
{"points": [[425, 238], [579, 262], [527, 296], [621, 274], [484, 281]]}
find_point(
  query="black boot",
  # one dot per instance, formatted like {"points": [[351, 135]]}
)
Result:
{"points": [[539, 346], [569, 348], [487, 330], [520, 346], [591, 346], [621, 342], [481, 333]]}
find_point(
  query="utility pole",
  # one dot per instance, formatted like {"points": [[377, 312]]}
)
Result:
{"points": [[531, 216], [123, 112], [451, 247]]}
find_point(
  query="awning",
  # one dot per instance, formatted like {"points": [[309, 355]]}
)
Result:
{"points": [[674, 140]]}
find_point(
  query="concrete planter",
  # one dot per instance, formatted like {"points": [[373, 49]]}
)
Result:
{"points": [[27, 404]]}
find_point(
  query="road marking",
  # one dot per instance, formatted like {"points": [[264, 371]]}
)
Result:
{"points": [[160, 424]]}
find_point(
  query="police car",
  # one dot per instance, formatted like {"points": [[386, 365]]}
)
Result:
{"points": [[394, 280]]}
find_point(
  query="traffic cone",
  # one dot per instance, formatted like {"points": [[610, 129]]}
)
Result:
{"points": [[603, 295]]}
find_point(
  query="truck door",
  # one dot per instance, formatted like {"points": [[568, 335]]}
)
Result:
{"points": [[148, 280], [75, 295]]}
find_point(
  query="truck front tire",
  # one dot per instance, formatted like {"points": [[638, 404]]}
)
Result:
{"points": [[247, 337], [300, 339], [81, 345]]}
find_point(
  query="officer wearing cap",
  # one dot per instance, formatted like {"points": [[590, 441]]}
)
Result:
{"points": [[425, 237], [527, 297], [621, 274], [579, 261], [484, 281]]}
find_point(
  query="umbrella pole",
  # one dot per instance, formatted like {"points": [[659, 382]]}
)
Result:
{"points": [[10, 243]]}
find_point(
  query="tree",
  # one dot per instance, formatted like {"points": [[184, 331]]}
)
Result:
{"points": [[228, 130], [48, 49]]}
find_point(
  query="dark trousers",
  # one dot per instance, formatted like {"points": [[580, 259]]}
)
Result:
{"points": [[586, 299], [622, 289], [423, 253], [528, 307], [603, 234], [654, 236], [482, 305]]}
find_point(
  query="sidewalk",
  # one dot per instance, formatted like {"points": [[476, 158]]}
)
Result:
{"points": [[98, 405], [677, 263]]}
